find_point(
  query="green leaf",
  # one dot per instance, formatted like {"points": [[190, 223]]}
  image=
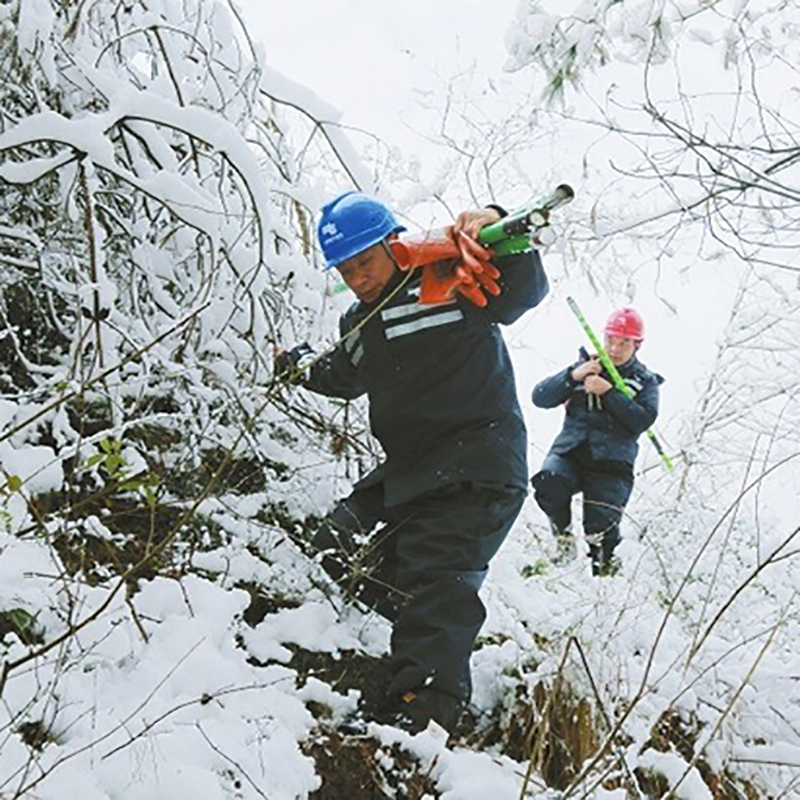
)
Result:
{"points": [[538, 567], [23, 624], [19, 619], [149, 496], [114, 464]]}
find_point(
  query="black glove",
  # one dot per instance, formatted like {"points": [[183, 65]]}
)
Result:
{"points": [[583, 357], [292, 366], [499, 209]]}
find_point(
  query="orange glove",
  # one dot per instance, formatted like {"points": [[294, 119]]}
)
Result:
{"points": [[476, 258], [451, 263], [423, 248]]}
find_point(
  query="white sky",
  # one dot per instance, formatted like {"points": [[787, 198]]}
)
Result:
{"points": [[366, 57]]}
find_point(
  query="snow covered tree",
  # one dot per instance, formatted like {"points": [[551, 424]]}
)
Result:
{"points": [[155, 245], [699, 124], [703, 91], [130, 193]]}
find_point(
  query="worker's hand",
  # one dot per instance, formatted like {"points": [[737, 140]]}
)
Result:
{"points": [[291, 366], [594, 384], [470, 222], [587, 368]]}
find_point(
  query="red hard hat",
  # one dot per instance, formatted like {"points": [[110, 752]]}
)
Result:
{"points": [[626, 323]]}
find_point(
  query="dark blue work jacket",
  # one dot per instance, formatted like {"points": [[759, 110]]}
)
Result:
{"points": [[442, 397], [611, 423]]}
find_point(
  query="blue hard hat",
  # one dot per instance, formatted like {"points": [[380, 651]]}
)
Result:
{"points": [[352, 223]]}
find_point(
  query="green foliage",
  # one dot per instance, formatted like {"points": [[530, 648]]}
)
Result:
{"points": [[12, 485], [147, 484], [562, 75], [538, 567], [20, 622], [113, 464], [110, 458]]}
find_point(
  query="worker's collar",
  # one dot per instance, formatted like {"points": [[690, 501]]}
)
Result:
{"points": [[628, 365]]}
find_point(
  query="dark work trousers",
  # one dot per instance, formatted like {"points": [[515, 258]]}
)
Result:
{"points": [[422, 570], [606, 488]]}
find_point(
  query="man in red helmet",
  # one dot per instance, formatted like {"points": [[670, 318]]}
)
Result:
{"points": [[595, 451]]}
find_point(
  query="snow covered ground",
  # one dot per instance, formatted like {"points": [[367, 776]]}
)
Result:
{"points": [[171, 692], [191, 677]]}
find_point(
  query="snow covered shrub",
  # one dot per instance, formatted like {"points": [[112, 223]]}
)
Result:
{"points": [[130, 192], [149, 209], [146, 240]]}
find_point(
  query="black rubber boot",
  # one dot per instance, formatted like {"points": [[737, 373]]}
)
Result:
{"points": [[566, 548], [417, 709], [604, 564]]}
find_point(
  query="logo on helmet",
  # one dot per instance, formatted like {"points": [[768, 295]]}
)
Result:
{"points": [[330, 229]]}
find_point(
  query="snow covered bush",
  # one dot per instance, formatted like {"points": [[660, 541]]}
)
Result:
{"points": [[698, 124], [160, 633], [155, 247]]}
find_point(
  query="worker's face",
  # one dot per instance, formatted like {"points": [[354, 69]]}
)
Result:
{"points": [[620, 350], [368, 272]]}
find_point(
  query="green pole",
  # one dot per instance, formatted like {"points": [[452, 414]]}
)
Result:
{"points": [[534, 214], [619, 383]]}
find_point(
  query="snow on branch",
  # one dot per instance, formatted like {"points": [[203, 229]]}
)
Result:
{"points": [[283, 90]]}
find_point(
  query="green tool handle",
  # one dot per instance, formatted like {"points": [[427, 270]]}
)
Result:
{"points": [[613, 372], [507, 247], [534, 214], [491, 235]]}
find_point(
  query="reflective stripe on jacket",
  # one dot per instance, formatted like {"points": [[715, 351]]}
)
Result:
{"points": [[442, 397]]}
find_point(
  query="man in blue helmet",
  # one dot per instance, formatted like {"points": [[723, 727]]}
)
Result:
{"points": [[443, 404]]}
